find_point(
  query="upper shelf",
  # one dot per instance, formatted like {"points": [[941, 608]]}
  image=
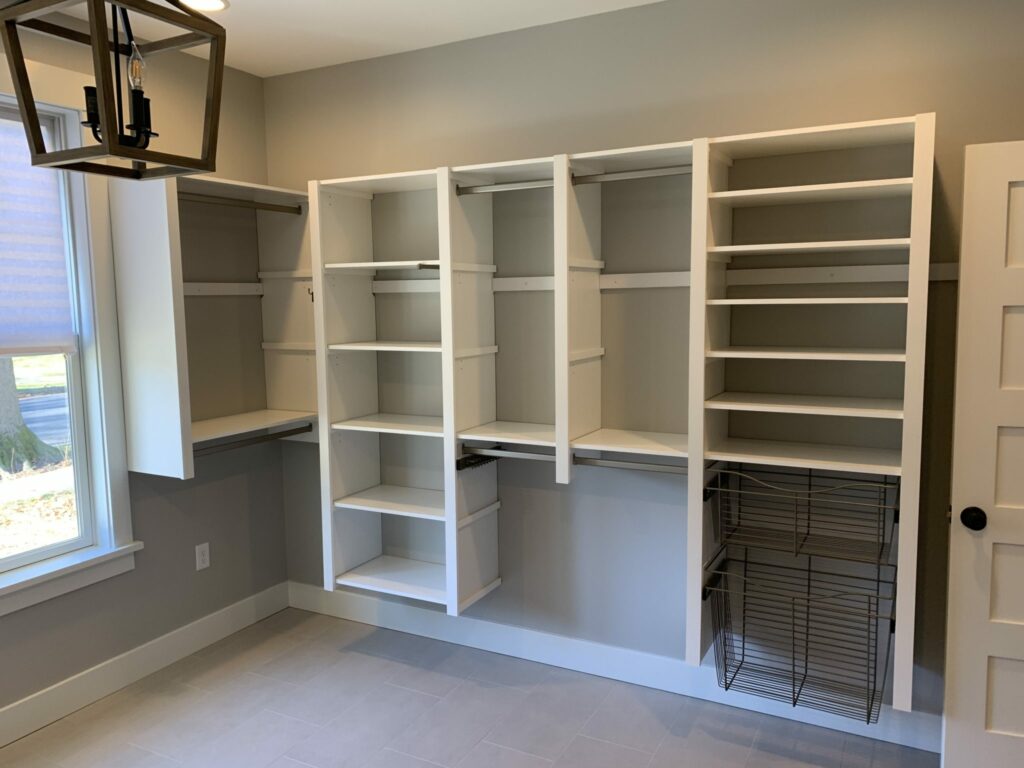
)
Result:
{"points": [[872, 133], [818, 405], [374, 266], [397, 500], [394, 423], [808, 301], [634, 441], [811, 353], [241, 423], [824, 246], [518, 432], [387, 346], [779, 453], [816, 193]]}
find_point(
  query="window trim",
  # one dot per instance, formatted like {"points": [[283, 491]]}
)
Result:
{"points": [[112, 547]]}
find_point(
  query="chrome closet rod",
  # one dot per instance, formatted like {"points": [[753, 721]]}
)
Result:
{"points": [[502, 453], [243, 442], [510, 186], [235, 202], [646, 173]]}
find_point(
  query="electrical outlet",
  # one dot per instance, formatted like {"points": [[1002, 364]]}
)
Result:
{"points": [[202, 556]]}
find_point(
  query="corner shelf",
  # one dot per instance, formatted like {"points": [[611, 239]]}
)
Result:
{"points": [[394, 424], [397, 500], [518, 432], [241, 423], [634, 441], [399, 576], [819, 405], [778, 453]]}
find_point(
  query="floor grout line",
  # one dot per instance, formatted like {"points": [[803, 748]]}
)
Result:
{"points": [[513, 749], [414, 757]]}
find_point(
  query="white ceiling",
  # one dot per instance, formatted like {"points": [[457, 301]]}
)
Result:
{"points": [[272, 37]]}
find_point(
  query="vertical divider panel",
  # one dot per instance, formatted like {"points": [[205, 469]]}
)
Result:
{"points": [[697, 365], [562, 191], [585, 348], [446, 199], [322, 398], [913, 409]]}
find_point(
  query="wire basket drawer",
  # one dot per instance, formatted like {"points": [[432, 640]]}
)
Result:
{"points": [[806, 512], [814, 638]]}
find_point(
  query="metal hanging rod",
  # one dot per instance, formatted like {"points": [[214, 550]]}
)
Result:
{"points": [[647, 173], [243, 442], [195, 197], [643, 466], [511, 186], [501, 453]]}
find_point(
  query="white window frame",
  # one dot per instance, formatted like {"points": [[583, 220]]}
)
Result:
{"points": [[106, 547]]}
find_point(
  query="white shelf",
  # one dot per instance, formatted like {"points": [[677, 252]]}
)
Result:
{"points": [[387, 346], [288, 346], [816, 193], [399, 576], [241, 423], [397, 500], [393, 423], [819, 405], [810, 353], [807, 455], [291, 274], [634, 441], [519, 432], [222, 289], [817, 139], [821, 246], [374, 266], [837, 300]]}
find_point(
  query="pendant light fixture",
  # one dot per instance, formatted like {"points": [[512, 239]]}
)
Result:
{"points": [[122, 143]]}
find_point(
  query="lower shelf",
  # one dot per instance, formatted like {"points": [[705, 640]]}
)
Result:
{"points": [[241, 423], [399, 576], [518, 432], [634, 441], [397, 500], [778, 453]]}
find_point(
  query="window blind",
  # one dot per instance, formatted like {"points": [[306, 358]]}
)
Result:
{"points": [[35, 293]]}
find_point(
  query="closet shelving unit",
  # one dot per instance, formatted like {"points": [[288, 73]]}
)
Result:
{"points": [[810, 360], [222, 269], [626, 236], [382, 265]]}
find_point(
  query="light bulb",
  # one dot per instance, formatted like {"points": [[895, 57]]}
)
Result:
{"points": [[136, 68], [206, 5]]}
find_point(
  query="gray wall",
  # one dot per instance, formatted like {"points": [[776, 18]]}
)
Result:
{"points": [[235, 502], [671, 71]]}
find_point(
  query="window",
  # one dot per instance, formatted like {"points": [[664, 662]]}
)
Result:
{"points": [[63, 504]]}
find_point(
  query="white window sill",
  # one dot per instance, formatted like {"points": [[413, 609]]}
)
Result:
{"points": [[59, 575]]}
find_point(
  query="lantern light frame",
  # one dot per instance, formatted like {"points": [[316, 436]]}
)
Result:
{"points": [[145, 163]]}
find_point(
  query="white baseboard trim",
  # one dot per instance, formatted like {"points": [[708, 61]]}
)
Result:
{"points": [[61, 699], [912, 729]]}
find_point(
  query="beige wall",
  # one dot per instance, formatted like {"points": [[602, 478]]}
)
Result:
{"points": [[677, 70]]}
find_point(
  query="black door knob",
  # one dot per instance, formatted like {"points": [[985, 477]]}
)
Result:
{"points": [[974, 518]]}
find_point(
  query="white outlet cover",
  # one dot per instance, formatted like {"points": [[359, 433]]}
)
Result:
{"points": [[202, 556]]}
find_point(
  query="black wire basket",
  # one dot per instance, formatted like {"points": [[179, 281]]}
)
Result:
{"points": [[801, 634], [806, 512]]}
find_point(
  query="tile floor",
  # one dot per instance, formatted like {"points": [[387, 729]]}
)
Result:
{"points": [[301, 690]]}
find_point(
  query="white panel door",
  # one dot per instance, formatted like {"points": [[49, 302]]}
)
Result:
{"points": [[984, 721]]}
